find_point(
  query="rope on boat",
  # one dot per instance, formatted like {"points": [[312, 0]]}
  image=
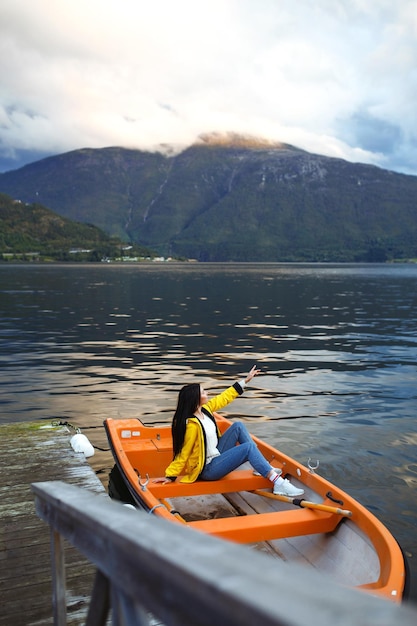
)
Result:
{"points": [[164, 502], [153, 508]]}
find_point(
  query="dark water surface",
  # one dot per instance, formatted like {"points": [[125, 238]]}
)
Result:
{"points": [[337, 345]]}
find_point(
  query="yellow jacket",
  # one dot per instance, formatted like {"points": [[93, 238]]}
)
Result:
{"points": [[192, 458]]}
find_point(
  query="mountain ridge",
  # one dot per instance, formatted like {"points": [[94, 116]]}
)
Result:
{"points": [[230, 198]]}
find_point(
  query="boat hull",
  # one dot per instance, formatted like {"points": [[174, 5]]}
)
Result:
{"points": [[328, 530]]}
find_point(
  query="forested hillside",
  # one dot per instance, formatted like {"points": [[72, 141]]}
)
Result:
{"points": [[30, 231]]}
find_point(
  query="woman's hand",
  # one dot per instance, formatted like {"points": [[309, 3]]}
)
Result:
{"points": [[164, 481], [254, 372]]}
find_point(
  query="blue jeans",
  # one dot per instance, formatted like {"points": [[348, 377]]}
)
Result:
{"points": [[231, 455]]}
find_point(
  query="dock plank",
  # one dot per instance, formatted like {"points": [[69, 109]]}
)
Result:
{"points": [[33, 452]]}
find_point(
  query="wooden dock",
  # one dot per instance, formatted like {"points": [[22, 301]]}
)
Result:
{"points": [[32, 452]]}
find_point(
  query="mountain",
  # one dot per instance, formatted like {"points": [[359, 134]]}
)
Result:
{"points": [[230, 198], [31, 231]]}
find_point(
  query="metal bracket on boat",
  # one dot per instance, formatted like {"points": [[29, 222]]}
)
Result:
{"points": [[330, 496], [145, 483], [312, 467]]}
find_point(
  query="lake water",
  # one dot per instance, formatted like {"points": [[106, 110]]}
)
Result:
{"points": [[337, 346]]}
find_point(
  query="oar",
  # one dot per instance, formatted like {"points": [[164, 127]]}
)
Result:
{"points": [[304, 503], [168, 506]]}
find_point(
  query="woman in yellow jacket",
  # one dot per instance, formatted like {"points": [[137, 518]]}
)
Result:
{"points": [[201, 452]]}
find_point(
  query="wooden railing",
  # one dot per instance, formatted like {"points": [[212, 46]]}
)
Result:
{"points": [[183, 577]]}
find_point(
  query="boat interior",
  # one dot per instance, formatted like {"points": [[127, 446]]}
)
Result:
{"points": [[237, 508]]}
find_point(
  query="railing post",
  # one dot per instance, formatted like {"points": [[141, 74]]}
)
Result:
{"points": [[58, 580], [126, 612], [100, 601]]}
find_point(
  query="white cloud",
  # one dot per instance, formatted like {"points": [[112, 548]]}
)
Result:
{"points": [[324, 76]]}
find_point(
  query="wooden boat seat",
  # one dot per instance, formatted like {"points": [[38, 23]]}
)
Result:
{"points": [[238, 480], [249, 528], [269, 526]]}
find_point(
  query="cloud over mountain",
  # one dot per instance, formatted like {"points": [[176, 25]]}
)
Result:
{"points": [[334, 78]]}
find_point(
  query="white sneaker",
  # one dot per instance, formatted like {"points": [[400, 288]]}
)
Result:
{"points": [[283, 487]]}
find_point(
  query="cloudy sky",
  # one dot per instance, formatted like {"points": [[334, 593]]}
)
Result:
{"points": [[335, 77]]}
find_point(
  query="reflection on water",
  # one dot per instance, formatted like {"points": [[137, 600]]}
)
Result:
{"points": [[336, 345]]}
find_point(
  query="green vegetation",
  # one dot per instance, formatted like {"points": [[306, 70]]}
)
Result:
{"points": [[224, 199], [30, 232]]}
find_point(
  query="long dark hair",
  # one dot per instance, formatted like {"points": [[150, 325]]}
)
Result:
{"points": [[188, 402]]}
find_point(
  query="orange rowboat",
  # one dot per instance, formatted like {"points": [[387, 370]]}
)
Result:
{"points": [[326, 530]]}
